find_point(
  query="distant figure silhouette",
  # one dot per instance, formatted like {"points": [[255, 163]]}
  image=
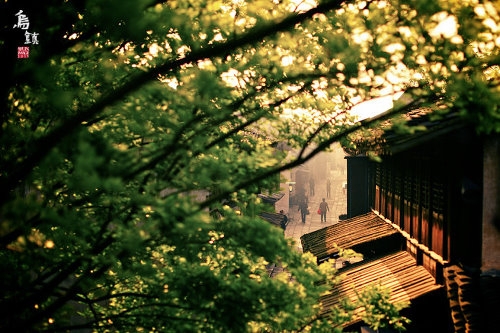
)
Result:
{"points": [[284, 221], [303, 210], [324, 208]]}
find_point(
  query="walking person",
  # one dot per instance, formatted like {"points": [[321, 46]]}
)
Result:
{"points": [[303, 210], [323, 206], [284, 221], [311, 186], [328, 187]]}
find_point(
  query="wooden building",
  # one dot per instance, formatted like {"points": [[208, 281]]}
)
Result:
{"points": [[439, 188]]}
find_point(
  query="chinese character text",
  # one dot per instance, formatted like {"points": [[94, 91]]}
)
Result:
{"points": [[22, 21]]}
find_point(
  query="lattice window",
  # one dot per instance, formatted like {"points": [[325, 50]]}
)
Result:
{"points": [[437, 193]]}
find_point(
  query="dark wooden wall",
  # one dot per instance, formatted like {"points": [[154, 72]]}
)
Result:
{"points": [[433, 192]]}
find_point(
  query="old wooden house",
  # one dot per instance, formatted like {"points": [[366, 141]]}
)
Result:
{"points": [[438, 189]]}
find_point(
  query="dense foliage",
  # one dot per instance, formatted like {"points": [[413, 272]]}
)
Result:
{"points": [[133, 127]]}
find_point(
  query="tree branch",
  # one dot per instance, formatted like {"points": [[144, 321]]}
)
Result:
{"points": [[41, 147]]}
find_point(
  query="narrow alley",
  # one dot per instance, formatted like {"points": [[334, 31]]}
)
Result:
{"points": [[337, 203]]}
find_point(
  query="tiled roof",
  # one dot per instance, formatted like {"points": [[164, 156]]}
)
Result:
{"points": [[397, 271], [274, 218], [346, 235], [271, 198], [430, 128], [385, 138], [474, 300]]}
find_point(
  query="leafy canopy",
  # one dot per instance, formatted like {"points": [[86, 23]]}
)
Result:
{"points": [[133, 126]]}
